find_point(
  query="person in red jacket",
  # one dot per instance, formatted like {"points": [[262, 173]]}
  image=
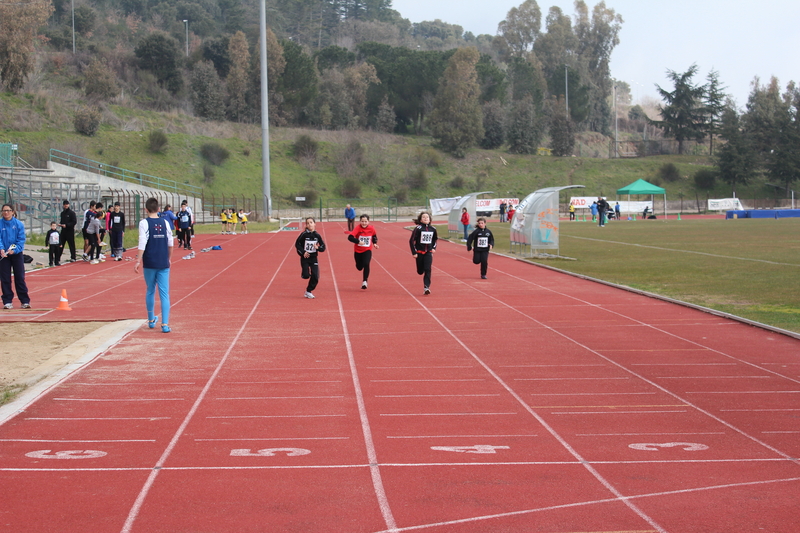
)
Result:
{"points": [[511, 210], [365, 238], [465, 222]]}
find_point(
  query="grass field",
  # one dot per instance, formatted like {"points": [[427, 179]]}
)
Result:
{"points": [[749, 268]]}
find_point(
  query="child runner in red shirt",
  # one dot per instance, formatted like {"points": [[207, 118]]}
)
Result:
{"points": [[365, 238]]}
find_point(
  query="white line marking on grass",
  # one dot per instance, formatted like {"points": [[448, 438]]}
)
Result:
{"points": [[683, 251], [522, 402], [134, 512], [372, 455]]}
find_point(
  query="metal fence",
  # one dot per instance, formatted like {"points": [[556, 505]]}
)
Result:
{"points": [[377, 209], [123, 174], [656, 147]]}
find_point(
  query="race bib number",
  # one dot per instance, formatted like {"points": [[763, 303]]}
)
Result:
{"points": [[483, 242], [426, 237], [185, 218], [117, 220], [311, 246], [364, 241]]}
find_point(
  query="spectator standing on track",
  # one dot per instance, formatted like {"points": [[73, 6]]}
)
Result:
{"points": [[308, 245], [184, 228], [92, 231], [87, 217], [12, 245], [364, 237], [116, 226], [602, 207], [503, 207], [465, 223], [243, 219], [53, 240], [350, 215], [617, 211], [482, 240], [68, 222], [155, 253], [423, 245], [571, 211]]}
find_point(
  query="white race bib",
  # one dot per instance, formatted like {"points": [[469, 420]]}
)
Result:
{"points": [[364, 240], [311, 246], [117, 220], [54, 238], [483, 242], [426, 237]]}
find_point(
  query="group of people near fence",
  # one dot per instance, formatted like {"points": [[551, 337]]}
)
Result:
{"points": [[230, 218]]}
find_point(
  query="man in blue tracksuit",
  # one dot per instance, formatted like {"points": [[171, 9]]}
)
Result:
{"points": [[350, 215], [12, 244]]}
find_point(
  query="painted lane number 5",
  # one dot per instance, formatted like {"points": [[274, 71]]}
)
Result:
{"points": [[654, 447], [270, 452]]}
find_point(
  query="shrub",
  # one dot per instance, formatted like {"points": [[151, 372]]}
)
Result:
{"points": [[311, 198], [669, 172], [457, 183], [429, 157], [401, 195], [705, 179], [351, 188], [157, 141], [87, 120], [214, 153], [100, 81], [208, 174], [305, 148]]}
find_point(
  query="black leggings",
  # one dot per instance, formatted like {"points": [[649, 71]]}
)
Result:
{"points": [[424, 265], [363, 260], [310, 272], [481, 257]]}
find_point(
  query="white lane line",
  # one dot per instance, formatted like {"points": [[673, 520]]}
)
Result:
{"points": [[454, 436], [415, 367], [746, 392], [129, 384], [422, 380], [273, 438], [593, 393], [283, 398], [293, 369], [447, 414], [549, 366], [101, 418], [684, 364], [372, 454], [645, 434], [781, 432], [276, 381], [77, 440], [567, 379], [119, 399], [611, 412], [715, 377], [756, 410], [274, 416], [137, 506], [435, 395]]}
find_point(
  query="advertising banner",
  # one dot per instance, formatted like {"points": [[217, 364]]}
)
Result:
{"points": [[725, 204]]}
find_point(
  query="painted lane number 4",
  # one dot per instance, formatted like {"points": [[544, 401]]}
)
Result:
{"points": [[478, 448], [270, 452], [654, 447]]}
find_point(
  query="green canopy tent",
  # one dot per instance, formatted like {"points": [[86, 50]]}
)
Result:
{"points": [[642, 187]]}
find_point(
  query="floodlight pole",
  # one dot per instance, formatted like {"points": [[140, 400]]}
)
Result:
{"points": [[186, 23], [616, 126], [73, 27], [566, 89], [264, 112]]}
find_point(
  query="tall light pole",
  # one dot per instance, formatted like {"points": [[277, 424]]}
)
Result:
{"points": [[73, 27], [186, 23], [566, 88], [264, 112], [616, 125]]}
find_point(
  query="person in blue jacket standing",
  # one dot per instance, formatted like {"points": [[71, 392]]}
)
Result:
{"points": [[350, 215], [155, 253], [12, 244]]}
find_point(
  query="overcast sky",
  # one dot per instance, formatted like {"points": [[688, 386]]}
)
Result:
{"points": [[739, 39]]}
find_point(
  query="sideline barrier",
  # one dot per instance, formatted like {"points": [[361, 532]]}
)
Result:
{"points": [[763, 213]]}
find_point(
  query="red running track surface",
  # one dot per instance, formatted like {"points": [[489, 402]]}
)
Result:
{"points": [[529, 402]]}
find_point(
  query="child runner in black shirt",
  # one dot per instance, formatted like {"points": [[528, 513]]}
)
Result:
{"points": [[308, 244], [423, 244], [482, 240], [364, 237]]}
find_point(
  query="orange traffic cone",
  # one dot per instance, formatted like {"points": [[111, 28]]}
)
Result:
{"points": [[63, 305]]}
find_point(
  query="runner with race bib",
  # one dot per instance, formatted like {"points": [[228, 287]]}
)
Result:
{"points": [[308, 244], [365, 238], [423, 244], [482, 240]]}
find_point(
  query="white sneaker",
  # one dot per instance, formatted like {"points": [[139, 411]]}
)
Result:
{"points": [[233, 233], [427, 291], [94, 262], [309, 295], [364, 285], [8, 306]]}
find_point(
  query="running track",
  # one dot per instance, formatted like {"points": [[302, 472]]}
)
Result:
{"points": [[529, 402]]}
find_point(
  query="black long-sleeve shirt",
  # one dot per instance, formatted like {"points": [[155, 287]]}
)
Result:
{"points": [[423, 239], [68, 219], [305, 243], [476, 239]]}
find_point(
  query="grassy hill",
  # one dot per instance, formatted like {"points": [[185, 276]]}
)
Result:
{"points": [[407, 167]]}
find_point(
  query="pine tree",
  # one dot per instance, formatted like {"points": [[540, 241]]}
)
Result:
{"points": [[524, 131], [457, 119], [562, 130], [208, 95]]}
